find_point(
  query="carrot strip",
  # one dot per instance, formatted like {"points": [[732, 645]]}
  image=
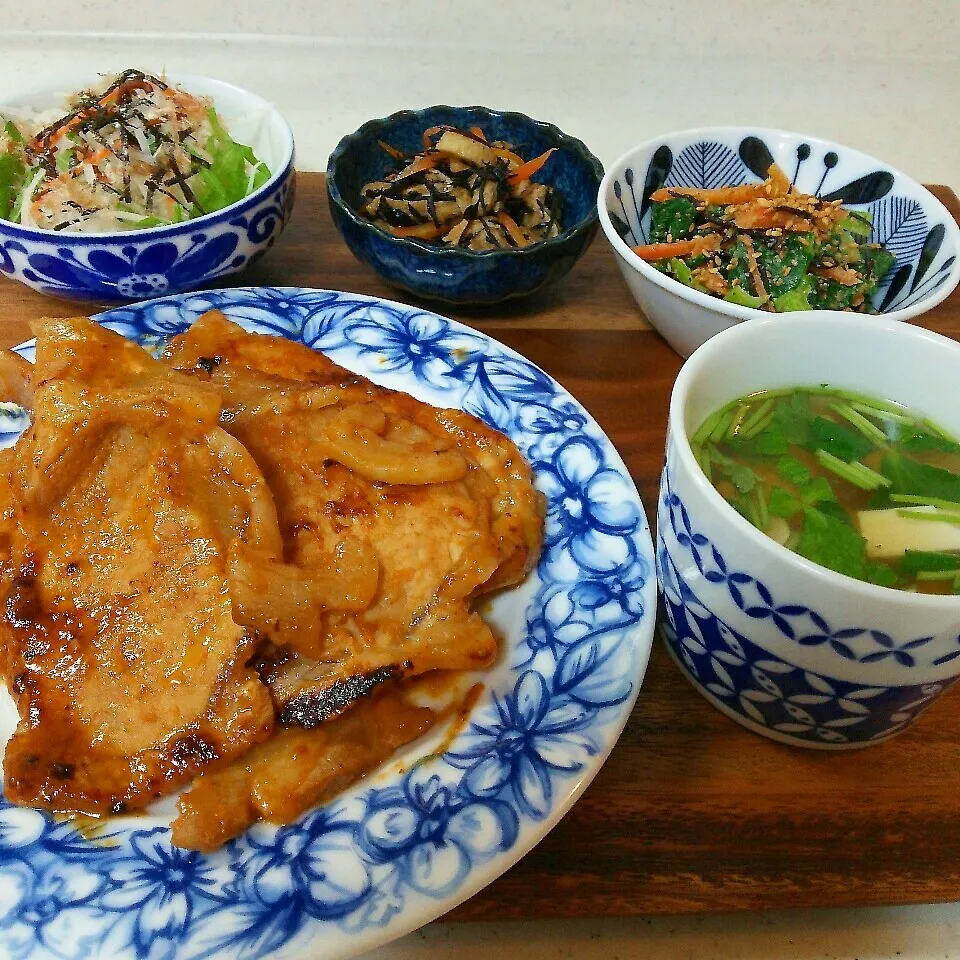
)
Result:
{"points": [[425, 161], [99, 156], [681, 248], [718, 195], [508, 155], [478, 133], [393, 151], [510, 225], [420, 231], [758, 288], [528, 169], [752, 216], [842, 275], [778, 180]]}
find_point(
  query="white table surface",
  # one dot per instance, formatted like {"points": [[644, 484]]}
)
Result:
{"points": [[879, 75]]}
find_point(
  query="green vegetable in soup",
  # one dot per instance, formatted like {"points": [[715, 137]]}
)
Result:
{"points": [[860, 486], [911, 476]]}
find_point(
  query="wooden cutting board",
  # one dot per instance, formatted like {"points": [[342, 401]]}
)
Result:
{"points": [[691, 811]]}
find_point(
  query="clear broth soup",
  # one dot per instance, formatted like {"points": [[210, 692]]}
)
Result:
{"points": [[858, 485]]}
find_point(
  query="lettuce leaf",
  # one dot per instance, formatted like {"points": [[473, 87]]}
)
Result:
{"points": [[13, 175], [228, 178]]}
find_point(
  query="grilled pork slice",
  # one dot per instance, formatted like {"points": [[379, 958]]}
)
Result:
{"points": [[295, 770], [404, 512], [117, 635]]}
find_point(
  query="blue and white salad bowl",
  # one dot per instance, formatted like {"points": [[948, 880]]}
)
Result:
{"points": [[130, 265], [784, 646], [413, 840], [907, 219]]}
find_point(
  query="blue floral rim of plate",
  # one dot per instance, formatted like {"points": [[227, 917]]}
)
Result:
{"points": [[924, 262], [384, 858]]}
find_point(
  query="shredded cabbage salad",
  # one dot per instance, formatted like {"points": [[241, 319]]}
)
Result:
{"points": [[137, 152]]}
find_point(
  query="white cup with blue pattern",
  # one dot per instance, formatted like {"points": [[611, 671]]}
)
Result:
{"points": [[784, 646]]}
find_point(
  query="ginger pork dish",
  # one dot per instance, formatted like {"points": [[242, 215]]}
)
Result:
{"points": [[235, 570]]}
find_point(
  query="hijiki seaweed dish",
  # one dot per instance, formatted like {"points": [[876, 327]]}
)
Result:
{"points": [[136, 152], [766, 246], [465, 191]]}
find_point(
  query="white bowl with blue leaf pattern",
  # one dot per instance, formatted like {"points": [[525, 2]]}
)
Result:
{"points": [[784, 646], [907, 219], [130, 265]]}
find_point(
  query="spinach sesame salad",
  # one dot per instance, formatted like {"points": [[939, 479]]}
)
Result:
{"points": [[766, 246]]}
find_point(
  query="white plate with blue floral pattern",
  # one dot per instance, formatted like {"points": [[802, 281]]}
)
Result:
{"points": [[413, 840]]}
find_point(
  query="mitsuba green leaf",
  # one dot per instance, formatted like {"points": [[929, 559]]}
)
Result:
{"points": [[928, 561], [743, 478], [771, 444], [793, 471], [880, 574], [920, 479], [919, 441], [832, 543], [843, 442], [791, 419], [833, 509], [818, 491], [782, 503]]}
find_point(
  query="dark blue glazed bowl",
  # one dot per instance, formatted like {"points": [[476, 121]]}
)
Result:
{"points": [[450, 274]]}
